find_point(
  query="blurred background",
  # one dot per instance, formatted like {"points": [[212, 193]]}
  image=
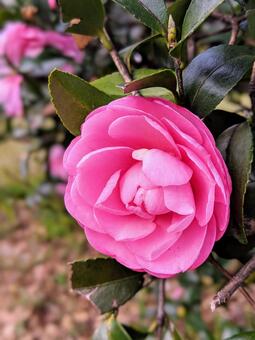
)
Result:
{"points": [[37, 237]]}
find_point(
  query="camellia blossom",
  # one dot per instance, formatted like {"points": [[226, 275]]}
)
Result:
{"points": [[52, 4], [56, 169], [148, 185], [19, 41]]}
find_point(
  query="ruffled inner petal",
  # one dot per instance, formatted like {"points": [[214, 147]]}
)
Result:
{"points": [[123, 228], [95, 169], [142, 132], [163, 169], [180, 199], [154, 201]]}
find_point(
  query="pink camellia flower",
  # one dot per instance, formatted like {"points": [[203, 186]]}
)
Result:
{"points": [[18, 41], [10, 96], [148, 185], [52, 4], [56, 154]]}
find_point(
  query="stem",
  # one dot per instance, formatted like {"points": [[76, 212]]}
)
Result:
{"points": [[252, 93], [234, 31], [178, 71], [235, 282], [122, 68], [161, 308]]}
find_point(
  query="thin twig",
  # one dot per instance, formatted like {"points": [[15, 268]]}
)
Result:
{"points": [[252, 92], [178, 71], [235, 282], [161, 308], [122, 68], [234, 31]]}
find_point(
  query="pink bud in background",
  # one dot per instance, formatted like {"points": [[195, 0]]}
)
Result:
{"points": [[56, 168], [10, 95], [52, 4]]}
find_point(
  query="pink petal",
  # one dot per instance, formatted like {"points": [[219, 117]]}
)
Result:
{"points": [[179, 222], [180, 256], [208, 244], [142, 132], [163, 169], [95, 169], [154, 201], [78, 208], [154, 245], [106, 245], [180, 199], [203, 186], [123, 228], [131, 181]]}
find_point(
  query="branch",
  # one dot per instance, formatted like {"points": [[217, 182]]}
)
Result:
{"points": [[122, 68], [161, 308], [235, 282], [252, 92], [178, 71]]}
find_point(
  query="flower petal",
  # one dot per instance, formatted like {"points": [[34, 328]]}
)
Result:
{"points": [[180, 199]]}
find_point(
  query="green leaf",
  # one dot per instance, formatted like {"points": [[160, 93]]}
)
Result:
{"points": [[111, 330], [213, 73], [111, 85], [196, 14], [151, 13], [239, 160], [105, 282], [74, 98], [243, 336], [161, 78], [218, 121], [84, 16], [251, 22], [127, 52], [223, 141], [178, 10]]}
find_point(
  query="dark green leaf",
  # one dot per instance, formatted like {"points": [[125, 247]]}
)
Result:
{"points": [[84, 16], [135, 334], [105, 282], [223, 141], [195, 15], [251, 22], [151, 13], [161, 78], [74, 98], [243, 336], [249, 206], [111, 84], [218, 121], [178, 10], [111, 329], [127, 52], [213, 73], [239, 160]]}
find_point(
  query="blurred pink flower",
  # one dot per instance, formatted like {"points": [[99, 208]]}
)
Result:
{"points": [[56, 155], [52, 4], [18, 41], [10, 96]]}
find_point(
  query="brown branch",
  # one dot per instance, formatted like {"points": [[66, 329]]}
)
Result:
{"points": [[122, 68], [161, 308], [235, 282], [178, 71], [252, 92], [234, 31]]}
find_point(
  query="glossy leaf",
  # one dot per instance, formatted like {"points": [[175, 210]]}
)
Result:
{"points": [[111, 330], [223, 141], [126, 53], [178, 10], [74, 98], [218, 121], [213, 73], [251, 22], [84, 16], [162, 78], [105, 282], [151, 13], [243, 336], [239, 160], [196, 14], [112, 85]]}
